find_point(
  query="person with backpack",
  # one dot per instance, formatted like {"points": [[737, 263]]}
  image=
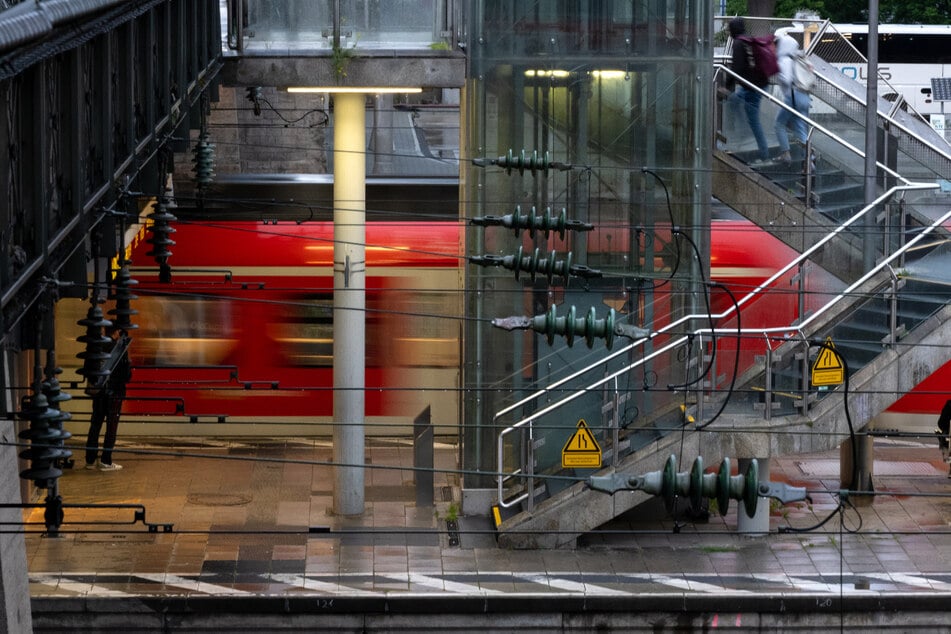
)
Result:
{"points": [[795, 94], [751, 62]]}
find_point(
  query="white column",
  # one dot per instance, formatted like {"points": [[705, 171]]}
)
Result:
{"points": [[349, 301]]}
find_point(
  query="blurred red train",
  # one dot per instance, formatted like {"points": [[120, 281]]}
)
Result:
{"points": [[243, 333]]}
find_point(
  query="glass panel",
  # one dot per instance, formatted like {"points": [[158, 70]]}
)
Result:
{"points": [[389, 23], [601, 90], [399, 24], [289, 24]]}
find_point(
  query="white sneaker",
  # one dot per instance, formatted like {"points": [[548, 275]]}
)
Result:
{"points": [[92, 465], [109, 467], [760, 163]]}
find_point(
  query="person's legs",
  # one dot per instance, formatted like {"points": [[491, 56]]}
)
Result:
{"points": [[799, 126], [943, 431], [112, 429], [95, 426], [782, 122], [733, 113], [752, 100]]}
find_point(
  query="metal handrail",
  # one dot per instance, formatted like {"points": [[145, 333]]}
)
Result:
{"points": [[824, 130], [824, 26], [785, 329], [810, 122]]}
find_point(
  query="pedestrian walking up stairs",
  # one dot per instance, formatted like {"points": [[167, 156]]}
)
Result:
{"points": [[801, 200], [727, 390]]}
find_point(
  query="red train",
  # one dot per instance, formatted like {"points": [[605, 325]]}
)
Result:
{"points": [[243, 333], [244, 330]]}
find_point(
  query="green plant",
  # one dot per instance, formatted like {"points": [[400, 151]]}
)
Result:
{"points": [[439, 46], [451, 514], [778, 508], [340, 58]]}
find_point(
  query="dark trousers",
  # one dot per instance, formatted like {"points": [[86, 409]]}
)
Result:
{"points": [[105, 408], [944, 431]]}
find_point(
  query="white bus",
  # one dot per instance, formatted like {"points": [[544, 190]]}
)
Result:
{"points": [[909, 57]]}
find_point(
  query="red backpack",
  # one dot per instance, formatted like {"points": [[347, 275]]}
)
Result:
{"points": [[761, 58]]}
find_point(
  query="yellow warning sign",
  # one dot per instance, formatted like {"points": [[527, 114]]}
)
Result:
{"points": [[581, 450], [828, 369]]}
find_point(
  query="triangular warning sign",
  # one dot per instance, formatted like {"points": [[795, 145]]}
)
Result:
{"points": [[581, 450], [828, 368]]}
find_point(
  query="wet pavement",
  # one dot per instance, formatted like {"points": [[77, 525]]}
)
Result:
{"points": [[247, 519]]}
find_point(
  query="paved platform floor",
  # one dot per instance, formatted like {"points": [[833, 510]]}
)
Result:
{"points": [[253, 518]]}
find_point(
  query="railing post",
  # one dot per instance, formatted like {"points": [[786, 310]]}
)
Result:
{"points": [[804, 378], [801, 285], [239, 24], [768, 387], [893, 311], [529, 469], [903, 229], [616, 424], [336, 19], [423, 461], [809, 171], [701, 359]]}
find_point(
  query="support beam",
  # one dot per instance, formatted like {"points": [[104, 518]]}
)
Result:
{"points": [[349, 304]]}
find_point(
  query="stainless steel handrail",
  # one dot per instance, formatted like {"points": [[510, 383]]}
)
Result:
{"points": [[797, 329], [838, 139]]}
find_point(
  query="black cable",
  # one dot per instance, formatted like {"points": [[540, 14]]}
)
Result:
{"points": [[325, 121], [848, 415], [736, 359], [713, 354], [674, 228]]}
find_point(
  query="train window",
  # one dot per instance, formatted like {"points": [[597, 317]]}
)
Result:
{"points": [[183, 331], [422, 334], [896, 48], [305, 333]]}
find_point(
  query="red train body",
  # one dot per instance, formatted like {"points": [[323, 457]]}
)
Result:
{"points": [[243, 332]]}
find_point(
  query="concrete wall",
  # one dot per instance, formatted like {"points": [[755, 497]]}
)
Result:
{"points": [[288, 137], [554, 612], [14, 585]]}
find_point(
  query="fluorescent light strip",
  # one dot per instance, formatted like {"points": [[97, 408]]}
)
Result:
{"points": [[353, 89]]}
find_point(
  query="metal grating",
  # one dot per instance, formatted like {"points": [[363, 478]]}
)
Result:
{"points": [[830, 468]]}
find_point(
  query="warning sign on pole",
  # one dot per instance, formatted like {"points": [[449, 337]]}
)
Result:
{"points": [[827, 369], [581, 450]]}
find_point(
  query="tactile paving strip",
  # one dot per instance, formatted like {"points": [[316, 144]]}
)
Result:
{"points": [[829, 468]]}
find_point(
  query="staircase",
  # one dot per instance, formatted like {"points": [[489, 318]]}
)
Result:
{"points": [[888, 327]]}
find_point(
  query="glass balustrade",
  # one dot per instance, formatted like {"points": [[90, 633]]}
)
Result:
{"points": [[279, 25]]}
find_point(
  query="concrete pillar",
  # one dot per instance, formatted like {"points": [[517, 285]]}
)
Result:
{"points": [[349, 301], [383, 134], [865, 455], [15, 615], [759, 523]]}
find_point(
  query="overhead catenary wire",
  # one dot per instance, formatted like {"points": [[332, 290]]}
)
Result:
{"points": [[516, 289]]}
